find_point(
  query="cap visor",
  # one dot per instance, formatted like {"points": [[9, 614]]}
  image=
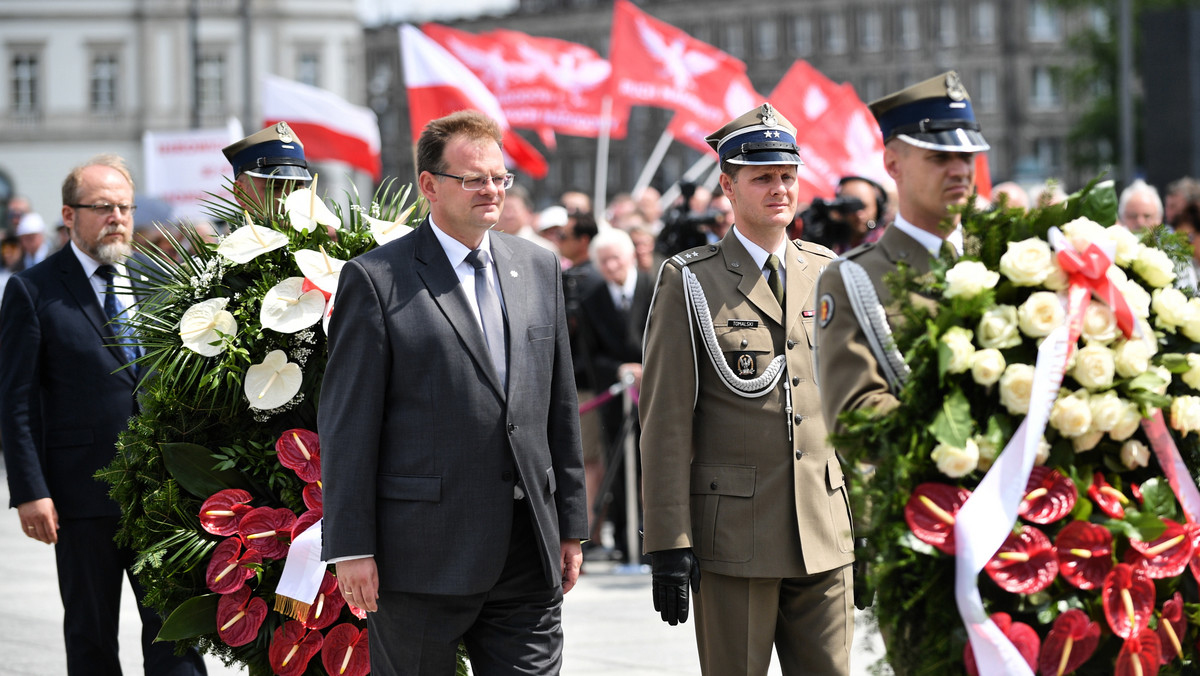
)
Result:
{"points": [[768, 157], [281, 173], [951, 140]]}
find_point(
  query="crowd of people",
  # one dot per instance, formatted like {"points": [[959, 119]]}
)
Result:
{"points": [[717, 316]]}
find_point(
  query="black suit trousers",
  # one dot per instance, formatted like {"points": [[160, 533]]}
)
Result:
{"points": [[514, 628], [90, 566]]}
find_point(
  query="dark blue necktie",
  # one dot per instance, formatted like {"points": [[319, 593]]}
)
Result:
{"points": [[113, 309], [490, 315]]}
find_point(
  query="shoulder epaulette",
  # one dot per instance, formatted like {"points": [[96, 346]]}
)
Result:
{"points": [[696, 254], [859, 250], [814, 248]]}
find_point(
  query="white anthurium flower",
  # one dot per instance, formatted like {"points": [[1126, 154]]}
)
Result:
{"points": [[250, 241], [203, 324], [305, 210], [320, 269], [386, 231], [272, 383], [287, 307]]}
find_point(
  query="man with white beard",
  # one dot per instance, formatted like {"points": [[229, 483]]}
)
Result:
{"points": [[65, 395]]}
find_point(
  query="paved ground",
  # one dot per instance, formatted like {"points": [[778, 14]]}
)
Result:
{"points": [[609, 622]]}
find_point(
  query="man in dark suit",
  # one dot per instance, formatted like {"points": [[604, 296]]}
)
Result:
{"points": [[612, 318], [64, 398], [453, 476]]}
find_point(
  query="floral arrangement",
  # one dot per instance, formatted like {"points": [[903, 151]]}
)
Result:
{"points": [[220, 471], [1096, 576]]}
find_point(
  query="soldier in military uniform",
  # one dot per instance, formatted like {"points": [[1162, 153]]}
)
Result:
{"points": [[267, 165], [930, 140], [738, 480]]}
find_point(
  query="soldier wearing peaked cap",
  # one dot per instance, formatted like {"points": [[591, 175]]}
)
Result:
{"points": [[745, 506], [269, 162], [931, 138]]}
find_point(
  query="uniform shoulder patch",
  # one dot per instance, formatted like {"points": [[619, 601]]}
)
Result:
{"points": [[813, 247], [859, 250], [689, 256], [824, 310]]}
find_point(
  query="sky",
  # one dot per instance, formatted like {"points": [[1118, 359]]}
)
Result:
{"points": [[374, 12]]}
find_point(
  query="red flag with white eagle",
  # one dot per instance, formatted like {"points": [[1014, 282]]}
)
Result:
{"points": [[657, 64], [330, 127], [736, 96], [545, 84], [439, 84]]}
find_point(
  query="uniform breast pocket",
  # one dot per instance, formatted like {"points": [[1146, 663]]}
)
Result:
{"points": [[747, 349], [723, 512]]}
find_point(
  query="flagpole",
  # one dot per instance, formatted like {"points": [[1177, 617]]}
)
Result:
{"points": [[693, 172], [656, 156], [601, 183]]}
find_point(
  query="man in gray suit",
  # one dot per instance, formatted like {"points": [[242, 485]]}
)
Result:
{"points": [[453, 475]]}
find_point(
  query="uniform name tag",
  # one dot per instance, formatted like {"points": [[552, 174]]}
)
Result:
{"points": [[743, 323]]}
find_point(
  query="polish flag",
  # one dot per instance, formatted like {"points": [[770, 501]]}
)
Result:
{"points": [[330, 127], [439, 84]]}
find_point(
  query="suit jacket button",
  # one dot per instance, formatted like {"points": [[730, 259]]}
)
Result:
{"points": [[507, 476], [799, 454], [798, 419], [795, 380], [713, 485], [511, 428], [791, 344]]}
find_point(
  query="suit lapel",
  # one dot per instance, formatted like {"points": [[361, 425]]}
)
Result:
{"points": [[515, 287], [442, 283], [752, 285], [81, 290], [900, 248]]}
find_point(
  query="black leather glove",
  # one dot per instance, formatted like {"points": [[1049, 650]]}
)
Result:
{"points": [[672, 570], [864, 592]]}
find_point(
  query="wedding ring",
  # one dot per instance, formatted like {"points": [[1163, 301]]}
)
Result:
{"points": [[28, 527], [347, 593]]}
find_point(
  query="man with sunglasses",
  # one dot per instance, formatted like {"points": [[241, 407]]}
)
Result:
{"points": [[450, 455], [65, 394]]}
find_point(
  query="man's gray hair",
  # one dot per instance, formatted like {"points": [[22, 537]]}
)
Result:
{"points": [[1142, 187], [610, 237]]}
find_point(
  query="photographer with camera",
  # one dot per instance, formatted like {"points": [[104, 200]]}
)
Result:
{"points": [[850, 218], [688, 222]]}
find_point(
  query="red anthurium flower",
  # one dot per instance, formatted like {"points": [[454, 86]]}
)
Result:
{"points": [[1049, 496], [300, 450], [1022, 636], [228, 568], [1141, 655], [265, 528], [930, 513], [356, 611], [1110, 500], [1136, 489], [1128, 600], [1172, 626], [1070, 643], [1084, 552], [306, 519], [1025, 562], [220, 513], [327, 606], [239, 616], [346, 652], [313, 495], [309, 286], [1169, 554], [292, 646]]}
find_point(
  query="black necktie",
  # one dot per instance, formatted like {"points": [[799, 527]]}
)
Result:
{"points": [[490, 315], [113, 309], [773, 279]]}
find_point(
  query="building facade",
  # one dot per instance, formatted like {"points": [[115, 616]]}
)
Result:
{"points": [[1013, 56], [85, 77]]}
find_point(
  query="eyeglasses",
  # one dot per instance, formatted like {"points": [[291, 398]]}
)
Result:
{"points": [[105, 208], [474, 183]]}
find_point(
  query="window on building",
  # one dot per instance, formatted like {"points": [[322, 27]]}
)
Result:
{"points": [[872, 88], [1049, 154], [210, 84], [947, 25], [26, 83], [1045, 22], [834, 32], [1044, 93], [908, 28], [735, 39], [103, 85], [870, 30], [766, 39], [986, 91], [1100, 21], [802, 36], [308, 68], [983, 22]]}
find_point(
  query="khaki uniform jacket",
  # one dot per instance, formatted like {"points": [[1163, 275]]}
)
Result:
{"points": [[847, 370], [720, 474]]}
